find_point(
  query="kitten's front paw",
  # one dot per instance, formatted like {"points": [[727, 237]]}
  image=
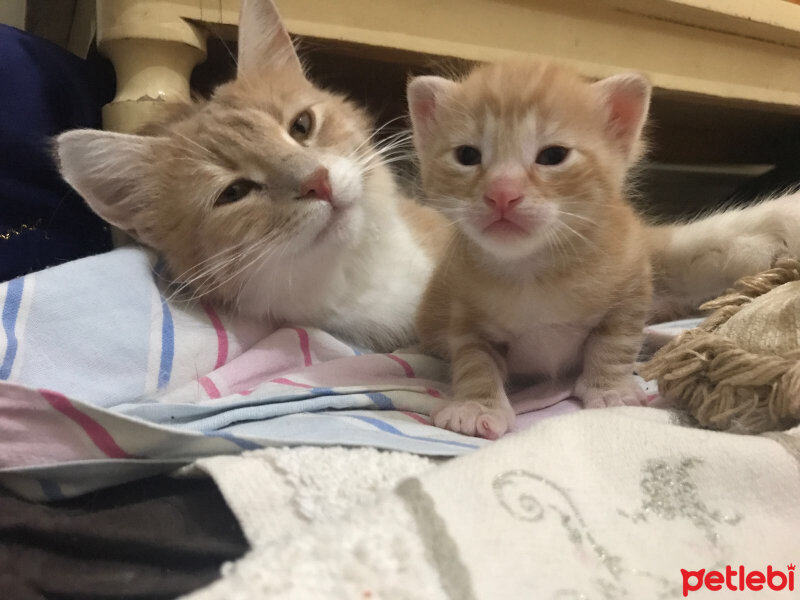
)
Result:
{"points": [[474, 418], [624, 393]]}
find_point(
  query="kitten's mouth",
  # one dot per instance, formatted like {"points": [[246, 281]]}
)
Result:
{"points": [[504, 227]]}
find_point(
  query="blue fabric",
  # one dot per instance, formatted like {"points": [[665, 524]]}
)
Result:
{"points": [[44, 90]]}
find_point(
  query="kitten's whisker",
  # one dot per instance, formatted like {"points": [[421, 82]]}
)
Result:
{"points": [[577, 233], [579, 217]]}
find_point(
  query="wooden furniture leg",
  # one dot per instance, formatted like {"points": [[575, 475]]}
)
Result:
{"points": [[153, 50]]}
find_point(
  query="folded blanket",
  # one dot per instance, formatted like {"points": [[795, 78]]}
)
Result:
{"points": [[103, 380], [619, 503], [106, 381]]}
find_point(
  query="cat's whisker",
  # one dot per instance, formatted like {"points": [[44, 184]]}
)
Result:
{"points": [[207, 270], [188, 272], [238, 271], [260, 259], [370, 138], [377, 158], [207, 152], [559, 240], [578, 234], [227, 48], [579, 217], [209, 274]]}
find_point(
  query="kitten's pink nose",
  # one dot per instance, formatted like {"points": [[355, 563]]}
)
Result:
{"points": [[503, 193], [317, 186]]}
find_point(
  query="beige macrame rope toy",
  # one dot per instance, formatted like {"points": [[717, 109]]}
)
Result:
{"points": [[740, 369]]}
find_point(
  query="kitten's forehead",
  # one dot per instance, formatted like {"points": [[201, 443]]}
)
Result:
{"points": [[527, 93]]}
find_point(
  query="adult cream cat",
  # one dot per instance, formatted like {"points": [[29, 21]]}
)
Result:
{"points": [[270, 198]]}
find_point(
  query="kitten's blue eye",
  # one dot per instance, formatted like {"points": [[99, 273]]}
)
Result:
{"points": [[552, 155], [236, 191], [468, 155]]}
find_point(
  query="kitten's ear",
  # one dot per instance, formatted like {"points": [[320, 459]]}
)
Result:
{"points": [[425, 94], [628, 99], [111, 171], [264, 42]]}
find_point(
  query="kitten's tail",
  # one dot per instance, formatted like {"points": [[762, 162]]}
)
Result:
{"points": [[699, 260]]}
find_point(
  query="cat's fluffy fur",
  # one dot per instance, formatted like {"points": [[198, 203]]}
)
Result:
{"points": [[697, 261], [355, 266], [549, 273]]}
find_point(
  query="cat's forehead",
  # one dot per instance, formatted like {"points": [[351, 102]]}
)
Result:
{"points": [[249, 113], [526, 91], [276, 94]]}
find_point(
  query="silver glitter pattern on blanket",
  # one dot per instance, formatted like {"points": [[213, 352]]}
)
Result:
{"points": [[670, 493], [527, 497], [534, 499]]}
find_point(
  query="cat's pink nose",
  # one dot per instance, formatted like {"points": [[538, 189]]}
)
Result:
{"points": [[503, 194], [317, 186]]}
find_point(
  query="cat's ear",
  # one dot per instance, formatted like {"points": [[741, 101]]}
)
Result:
{"points": [[425, 95], [627, 98], [112, 171], [264, 42]]}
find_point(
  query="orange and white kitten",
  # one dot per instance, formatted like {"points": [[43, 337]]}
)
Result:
{"points": [[548, 275], [270, 198]]}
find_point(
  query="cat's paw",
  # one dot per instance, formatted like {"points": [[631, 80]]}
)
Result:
{"points": [[473, 418], [626, 392]]}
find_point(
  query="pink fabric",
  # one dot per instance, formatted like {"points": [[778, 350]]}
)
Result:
{"points": [[222, 336], [40, 435]]}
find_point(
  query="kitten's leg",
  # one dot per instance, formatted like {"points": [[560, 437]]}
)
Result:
{"points": [[608, 359], [480, 405]]}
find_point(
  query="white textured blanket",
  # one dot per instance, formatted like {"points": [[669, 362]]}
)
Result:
{"points": [[600, 504]]}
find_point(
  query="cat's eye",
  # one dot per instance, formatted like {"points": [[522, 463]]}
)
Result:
{"points": [[302, 125], [552, 155], [468, 155], [236, 191]]}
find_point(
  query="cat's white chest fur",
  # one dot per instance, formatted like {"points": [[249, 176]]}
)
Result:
{"points": [[543, 330], [366, 292], [549, 351]]}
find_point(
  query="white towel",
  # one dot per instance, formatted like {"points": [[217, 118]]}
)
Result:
{"points": [[600, 504]]}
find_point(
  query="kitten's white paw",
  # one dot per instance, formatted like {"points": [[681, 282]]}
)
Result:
{"points": [[474, 418], [624, 393]]}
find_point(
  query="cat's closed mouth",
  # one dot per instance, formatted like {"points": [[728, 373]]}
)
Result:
{"points": [[504, 226], [338, 214]]}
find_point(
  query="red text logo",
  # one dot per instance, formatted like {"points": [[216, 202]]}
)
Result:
{"points": [[738, 579]]}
